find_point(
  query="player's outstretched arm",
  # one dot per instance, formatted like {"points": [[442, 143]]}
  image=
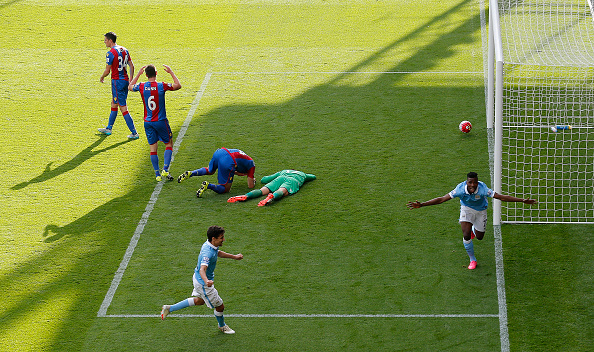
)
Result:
{"points": [[269, 178], [222, 254], [135, 79], [310, 177], [176, 85], [507, 198], [416, 204]]}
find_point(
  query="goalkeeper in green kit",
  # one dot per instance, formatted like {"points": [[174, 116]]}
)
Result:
{"points": [[276, 186]]}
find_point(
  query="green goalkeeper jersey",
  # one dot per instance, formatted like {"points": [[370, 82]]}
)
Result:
{"points": [[289, 179]]}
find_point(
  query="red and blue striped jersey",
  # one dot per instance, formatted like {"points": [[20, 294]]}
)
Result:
{"points": [[118, 57], [153, 98], [244, 163]]}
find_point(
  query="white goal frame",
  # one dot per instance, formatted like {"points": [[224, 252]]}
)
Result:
{"points": [[496, 123]]}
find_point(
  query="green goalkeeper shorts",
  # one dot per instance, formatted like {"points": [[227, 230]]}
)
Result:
{"points": [[289, 183]]}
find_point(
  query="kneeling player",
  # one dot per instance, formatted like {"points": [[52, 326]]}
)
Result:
{"points": [[229, 162]]}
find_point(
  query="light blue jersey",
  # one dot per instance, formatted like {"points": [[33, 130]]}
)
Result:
{"points": [[477, 200], [208, 256]]}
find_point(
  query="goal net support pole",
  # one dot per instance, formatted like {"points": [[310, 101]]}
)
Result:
{"points": [[495, 100]]}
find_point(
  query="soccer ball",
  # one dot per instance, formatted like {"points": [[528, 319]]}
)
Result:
{"points": [[465, 126]]}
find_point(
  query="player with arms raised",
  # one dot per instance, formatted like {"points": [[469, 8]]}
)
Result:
{"points": [[117, 59], [473, 196], [156, 124]]}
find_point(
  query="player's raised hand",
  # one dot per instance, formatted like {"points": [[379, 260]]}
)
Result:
{"points": [[529, 201], [168, 69], [413, 205], [141, 71]]}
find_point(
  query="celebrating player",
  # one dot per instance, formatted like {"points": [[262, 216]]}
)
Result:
{"points": [[279, 184], [229, 162], [156, 124], [204, 290], [117, 59], [473, 196]]}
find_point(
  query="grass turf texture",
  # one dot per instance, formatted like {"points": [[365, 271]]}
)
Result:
{"points": [[345, 244]]}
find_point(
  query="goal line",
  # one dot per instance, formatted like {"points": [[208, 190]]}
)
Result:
{"points": [[308, 316]]}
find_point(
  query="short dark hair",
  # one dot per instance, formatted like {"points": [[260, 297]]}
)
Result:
{"points": [[214, 232], [112, 36], [150, 71], [472, 174]]}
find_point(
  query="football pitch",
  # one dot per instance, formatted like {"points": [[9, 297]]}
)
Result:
{"points": [[366, 95]]}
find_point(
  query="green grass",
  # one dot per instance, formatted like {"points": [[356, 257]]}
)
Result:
{"points": [[345, 244]]}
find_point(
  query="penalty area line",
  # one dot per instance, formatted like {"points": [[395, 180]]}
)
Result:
{"points": [[149, 207], [308, 316], [346, 72]]}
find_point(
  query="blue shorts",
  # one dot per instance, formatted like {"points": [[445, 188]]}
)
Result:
{"points": [[222, 160], [119, 91], [157, 131]]}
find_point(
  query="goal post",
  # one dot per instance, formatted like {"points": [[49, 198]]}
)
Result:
{"points": [[540, 109]]}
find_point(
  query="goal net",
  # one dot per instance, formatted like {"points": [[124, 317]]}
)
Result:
{"points": [[544, 127]]}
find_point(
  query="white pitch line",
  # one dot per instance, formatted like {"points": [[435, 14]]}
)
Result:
{"points": [[499, 272], [503, 332], [149, 207], [308, 315], [345, 72]]}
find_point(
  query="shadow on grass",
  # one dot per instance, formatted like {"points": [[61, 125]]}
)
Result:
{"points": [[71, 164], [94, 246]]}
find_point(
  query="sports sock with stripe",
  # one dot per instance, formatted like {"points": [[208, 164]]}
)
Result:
{"points": [[167, 158], [112, 118], [469, 246], [220, 318], [155, 162], [129, 122]]}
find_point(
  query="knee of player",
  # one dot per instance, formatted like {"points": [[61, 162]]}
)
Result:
{"points": [[198, 301]]}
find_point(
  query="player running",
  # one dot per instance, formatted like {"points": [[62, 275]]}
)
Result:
{"points": [[117, 59], [156, 124], [473, 196], [229, 162], [204, 291], [278, 185]]}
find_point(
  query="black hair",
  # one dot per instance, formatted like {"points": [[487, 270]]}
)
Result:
{"points": [[472, 175], [112, 36], [150, 71], [214, 232]]}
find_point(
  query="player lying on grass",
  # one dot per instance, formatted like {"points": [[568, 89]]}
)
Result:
{"points": [[276, 186], [473, 196], [156, 124], [229, 162], [204, 291]]}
